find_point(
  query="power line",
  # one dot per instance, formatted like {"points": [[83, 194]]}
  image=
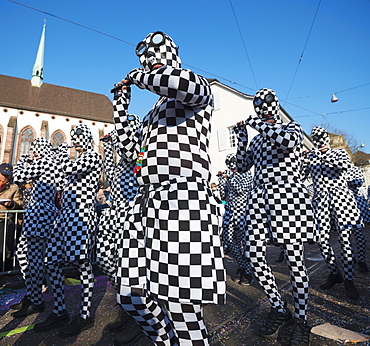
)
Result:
{"points": [[69, 21], [245, 48], [337, 92], [304, 48]]}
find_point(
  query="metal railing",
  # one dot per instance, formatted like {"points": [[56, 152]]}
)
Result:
{"points": [[10, 229]]}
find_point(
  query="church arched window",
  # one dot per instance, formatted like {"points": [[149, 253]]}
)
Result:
{"points": [[57, 138], [26, 136]]}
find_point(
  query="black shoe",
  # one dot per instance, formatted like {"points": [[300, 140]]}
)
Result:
{"points": [[246, 280], [29, 310], [351, 289], [275, 322], [124, 339], [119, 323], [238, 275], [362, 267], [23, 303], [301, 334], [78, 325], [51, 322], [281, 257], [332, 280]]}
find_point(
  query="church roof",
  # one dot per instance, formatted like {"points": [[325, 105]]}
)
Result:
{"points": [[19, 93]]}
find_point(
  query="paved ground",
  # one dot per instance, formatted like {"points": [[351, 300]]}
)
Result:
{"points": [[234, 324]]}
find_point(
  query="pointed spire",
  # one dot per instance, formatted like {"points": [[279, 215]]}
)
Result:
{"points": [[38, 67]]}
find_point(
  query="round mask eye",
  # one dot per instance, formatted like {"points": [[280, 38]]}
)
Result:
{"points": [[257, 101], [269, 98], [77, 132], [157, 38], [140, 48]]}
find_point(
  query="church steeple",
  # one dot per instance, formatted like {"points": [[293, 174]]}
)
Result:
{"points": [[38, 67]]}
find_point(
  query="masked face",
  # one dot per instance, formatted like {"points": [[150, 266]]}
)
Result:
{"points": [[41, 147], [158, 49], [231, 161], [81, 136], [266, 104], [320, 137]]}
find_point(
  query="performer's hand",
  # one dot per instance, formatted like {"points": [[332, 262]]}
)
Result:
{"points": [[25, 158], [239, 127], [63, 147]]}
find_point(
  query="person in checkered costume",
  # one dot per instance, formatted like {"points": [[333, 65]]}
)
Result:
{"points": [[70, 243], [278, 209], [355, 179], [334, 204], [170, 256], [41, 168], [235, 193], [123, 190]]}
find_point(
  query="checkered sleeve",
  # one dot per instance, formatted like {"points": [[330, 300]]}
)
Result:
{"points": [[174, 83], [24, 172], [108, 163], [128, 130], [337, 158], [241, 182], [221, 186], [355, 178], [287, 136], [87, 162], [244, 157], [20, 174]]}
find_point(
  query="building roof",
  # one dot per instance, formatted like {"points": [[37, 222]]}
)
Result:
{"points": [[361, 158], [19, 93]]}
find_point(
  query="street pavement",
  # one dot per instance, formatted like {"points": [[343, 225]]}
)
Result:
{"points": [[233, 324]]}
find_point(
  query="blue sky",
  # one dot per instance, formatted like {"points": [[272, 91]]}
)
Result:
{"points": [[245, 44]]}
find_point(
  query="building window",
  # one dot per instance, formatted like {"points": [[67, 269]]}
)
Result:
{"points": [[26, 138], [57, 138], [232, 137]]}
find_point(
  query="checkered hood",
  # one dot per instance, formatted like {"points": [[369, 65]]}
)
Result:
{"points": [[264, 108], [166, 54], [81, 135], [320, 137], [230, 161], [41, 146]]}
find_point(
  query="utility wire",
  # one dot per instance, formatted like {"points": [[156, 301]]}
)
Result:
{"points": [[245, 48], [352, 88], [304, 48], [69, 21]]}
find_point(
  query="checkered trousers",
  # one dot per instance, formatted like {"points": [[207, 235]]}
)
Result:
{"points": [[171, 242], [279, 205], [176, 131], [40, 214], [355, 179]]}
